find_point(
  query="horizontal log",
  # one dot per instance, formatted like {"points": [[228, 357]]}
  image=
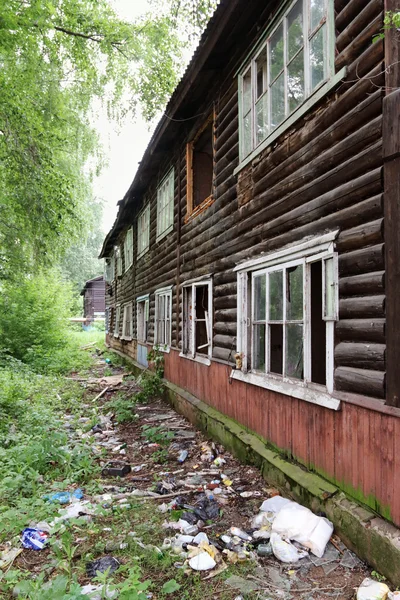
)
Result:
{"points": [[231, 158], [225, 341], [223, 354], [225, 134], [229, 314], [225, 302], [363, 38], [226, 289], [227, 105], [368, 330], [360, 381], [225, 174], [362, 235], [225, 328], [349, 11], [362, 261], [361, 355], [368, 65], [362, 285], [362, 18], [370, 306]]}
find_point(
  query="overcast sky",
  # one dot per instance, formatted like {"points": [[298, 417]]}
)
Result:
{"points": [[123, 148]]}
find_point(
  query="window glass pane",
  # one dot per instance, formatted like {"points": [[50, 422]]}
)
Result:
{"points": [[296, 81], [247, 135], [277, 101], [247, 92], [259, 347], [317, 57], [295, 29], [261, 66], [259, 298], [317, 12], [262, 118], [330, 291], [276, 349], [276, 52], [294, 350], [276, 296], [294, 293]]}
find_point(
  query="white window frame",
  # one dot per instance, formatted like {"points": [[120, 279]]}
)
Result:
{"points": [[142, 308], [163, 297], [117, 320], [311, 96], [127, 325], [165, 205], [143, 230], [109, 275], [118, 257], [107, 318], [128, 248], [316, 249], [189, 317]]}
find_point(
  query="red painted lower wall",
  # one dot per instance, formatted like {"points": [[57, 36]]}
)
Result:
{"points": [[357, 448]]}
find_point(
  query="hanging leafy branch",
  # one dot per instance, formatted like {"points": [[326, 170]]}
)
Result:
{"points": [[391, 21]]}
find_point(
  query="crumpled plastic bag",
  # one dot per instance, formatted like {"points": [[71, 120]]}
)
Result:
{"points": [[372, 590], [274, 504], [285, 551], [298, 523]]}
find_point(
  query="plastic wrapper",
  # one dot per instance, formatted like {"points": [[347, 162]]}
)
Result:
{"points": [[372, 590], [285, 551]]}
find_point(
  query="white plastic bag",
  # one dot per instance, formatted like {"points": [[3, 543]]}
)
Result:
{"points": [[285, 551], [372, 590], [274, 504], [298, 523]]}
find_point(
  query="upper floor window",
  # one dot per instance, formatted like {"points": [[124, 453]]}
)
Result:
{"points": [[165, 206], [162, 333], [200, 168], [128, 248], [118, 257], [287, 305], [295, 59], [110, 269], [143, 233]]}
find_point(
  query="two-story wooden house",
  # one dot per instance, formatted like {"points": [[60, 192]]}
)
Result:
{"points": [[258, 243]]}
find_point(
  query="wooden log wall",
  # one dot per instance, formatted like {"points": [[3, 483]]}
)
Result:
{"points": [[324, 173]]}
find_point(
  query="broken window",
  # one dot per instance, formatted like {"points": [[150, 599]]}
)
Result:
{"points": [[200, 167], [197, 326]]}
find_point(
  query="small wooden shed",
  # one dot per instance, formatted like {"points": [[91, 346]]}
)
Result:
{"points": [[94, 302]]}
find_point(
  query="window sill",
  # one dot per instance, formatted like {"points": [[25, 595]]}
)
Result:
{"points": [[296, 390], [142, 253], [127, 268], [303, 108], [165, 349], [127, 339], [164, 234], [200, 359], [116, 335], [199, 209]]}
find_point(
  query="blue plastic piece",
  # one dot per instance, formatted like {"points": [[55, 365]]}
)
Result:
{"points": [[34, 539], [64, 497]]}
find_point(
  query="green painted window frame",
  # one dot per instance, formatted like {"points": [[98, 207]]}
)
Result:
{"points": [[165, 205], [313, 95]]}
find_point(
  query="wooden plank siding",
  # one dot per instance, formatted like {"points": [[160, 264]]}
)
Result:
{"points": [[323, 173]]}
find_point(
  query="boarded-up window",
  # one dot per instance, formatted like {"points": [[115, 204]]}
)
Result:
{"points": [[200, 168], [143, 227], [163, 317]]}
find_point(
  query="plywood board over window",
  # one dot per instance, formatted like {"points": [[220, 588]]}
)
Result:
{"points": [[200, 163]]}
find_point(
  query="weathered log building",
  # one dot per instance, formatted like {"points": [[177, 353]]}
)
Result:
{"points": [[258, 243], [94, 302]]}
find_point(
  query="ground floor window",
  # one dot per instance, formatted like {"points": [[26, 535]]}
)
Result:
{"points": [[287, 305], [197, 318], [117, 320], [162, 335], [127, 322], [142, 311], [108, 319]]}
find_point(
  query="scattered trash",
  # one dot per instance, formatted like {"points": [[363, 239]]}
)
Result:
{"points": [[7, 557], [116, 469], [64, 497], [183, 456], [97, 592], [265, 550], [298, 523], [202, 562], [102, 565], [285, 551], [34, 539], [372, 590], [274, 504], [250, 494], [219, 461], [241, 534]]}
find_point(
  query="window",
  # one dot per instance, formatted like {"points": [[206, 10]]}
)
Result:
{"points": [[142, 308], [197, 321], [288, 302], [117, 320], [162, 335], [109, 269], [143, 225], [295, 59], [118, 257], [127, 322], [200, 168], [128, 248], [108, 319], [165, 206]]}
